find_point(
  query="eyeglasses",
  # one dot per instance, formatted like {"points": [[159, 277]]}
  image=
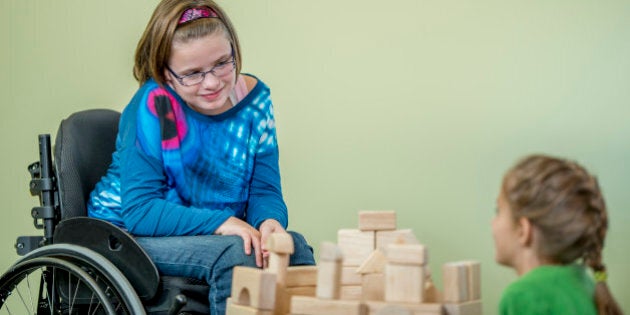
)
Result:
{"points": [[219, 70]]}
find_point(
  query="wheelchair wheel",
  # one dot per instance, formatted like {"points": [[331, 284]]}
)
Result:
{"points": [[66, 279]]}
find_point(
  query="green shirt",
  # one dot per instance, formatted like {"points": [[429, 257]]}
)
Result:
{"points": [[550, 290]]}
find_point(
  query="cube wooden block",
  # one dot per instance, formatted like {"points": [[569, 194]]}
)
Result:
{"points": [[356, 245], [303, 305], [373, 285], [465, 308], [253, 287], [407, 254], [462, 281], [404, 283], [377, 220], [403, 236]]}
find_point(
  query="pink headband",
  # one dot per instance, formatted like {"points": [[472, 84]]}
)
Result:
{"points": [[197, 13]]}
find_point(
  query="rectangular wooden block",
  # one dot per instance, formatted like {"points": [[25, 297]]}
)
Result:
{"points": [[455, 282], [303, 291], [407, 254], [474, 280], [413, 308], [403, 236], [351, 292], [299, 276], [349, 276], [404, 283], [377, 220], [355, 245], [303, 305], [465, 308], [329, 280], [235, 309]]}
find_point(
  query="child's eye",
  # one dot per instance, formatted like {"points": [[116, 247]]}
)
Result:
{"points": [[193, 74]]}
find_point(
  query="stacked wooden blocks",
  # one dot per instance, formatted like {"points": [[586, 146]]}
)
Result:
{"points": [[269, 291], [375, 269], [462, 287]]}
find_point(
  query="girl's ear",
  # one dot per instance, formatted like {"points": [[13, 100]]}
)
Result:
{"points": [[169, 79], [525, 232]]}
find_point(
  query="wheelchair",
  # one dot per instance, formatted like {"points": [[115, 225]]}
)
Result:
{"points": [[82, 265]]}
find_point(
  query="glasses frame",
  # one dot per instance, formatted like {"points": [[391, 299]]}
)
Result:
{"points": [[203, 74]]}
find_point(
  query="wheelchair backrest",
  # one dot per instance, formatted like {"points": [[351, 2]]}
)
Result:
{"points": [[83, 151]]}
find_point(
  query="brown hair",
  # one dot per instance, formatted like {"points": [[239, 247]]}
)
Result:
{"points": [[154, 47], [564, 202]]}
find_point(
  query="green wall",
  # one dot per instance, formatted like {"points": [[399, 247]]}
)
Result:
{"points": [[415, 106]]}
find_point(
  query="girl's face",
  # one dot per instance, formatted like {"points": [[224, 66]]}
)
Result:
{"points": [[211, 95], [504, 232]]}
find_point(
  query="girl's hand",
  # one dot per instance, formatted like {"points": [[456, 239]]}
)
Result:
{"points": [[251, 236], [266, 228]]}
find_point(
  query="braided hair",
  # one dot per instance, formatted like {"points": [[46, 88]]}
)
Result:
{"points": [[565, 203]]}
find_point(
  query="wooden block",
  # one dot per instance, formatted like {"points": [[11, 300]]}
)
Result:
{"points": [[375, 263], [330, 252], [407, 254], [377, 220], [466, 308], [283, 301], [351, 292], [393, 310], [281, 243], [373, 285], [299, 276], [356, 245], [251, 287], [431, 293], [474, 280], [278, 265], [455, 282], [329, 280], [414, 308], [404, 236], [235, 309], [349, 276], [304, 305], [404, 283], [303, 291]]}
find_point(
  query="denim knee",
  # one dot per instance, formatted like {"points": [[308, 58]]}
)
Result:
{"points": [[303, 253]]}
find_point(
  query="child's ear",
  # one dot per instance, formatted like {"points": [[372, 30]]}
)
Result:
{"points": [[169, 79], [525, 232]]}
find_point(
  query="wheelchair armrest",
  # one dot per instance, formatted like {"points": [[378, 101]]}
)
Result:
{"points": [[117, 246]]}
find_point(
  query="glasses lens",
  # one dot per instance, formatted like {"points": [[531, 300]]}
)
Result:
{"points": [[223, 69], [192, 79]]}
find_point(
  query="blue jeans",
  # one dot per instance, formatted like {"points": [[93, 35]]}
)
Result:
{"points": [[211, 258]]}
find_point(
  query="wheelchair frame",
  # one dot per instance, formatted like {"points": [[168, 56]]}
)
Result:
{"points": [[60, 274]]}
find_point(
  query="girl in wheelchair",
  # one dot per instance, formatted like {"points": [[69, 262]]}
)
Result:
{"points": [[195, 174]]}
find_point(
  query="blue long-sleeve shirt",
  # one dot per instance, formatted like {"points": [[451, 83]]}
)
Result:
{"points": [[178, 172]]}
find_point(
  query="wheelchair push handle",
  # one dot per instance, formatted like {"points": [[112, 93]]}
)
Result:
{"points": [[43, 185]]}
